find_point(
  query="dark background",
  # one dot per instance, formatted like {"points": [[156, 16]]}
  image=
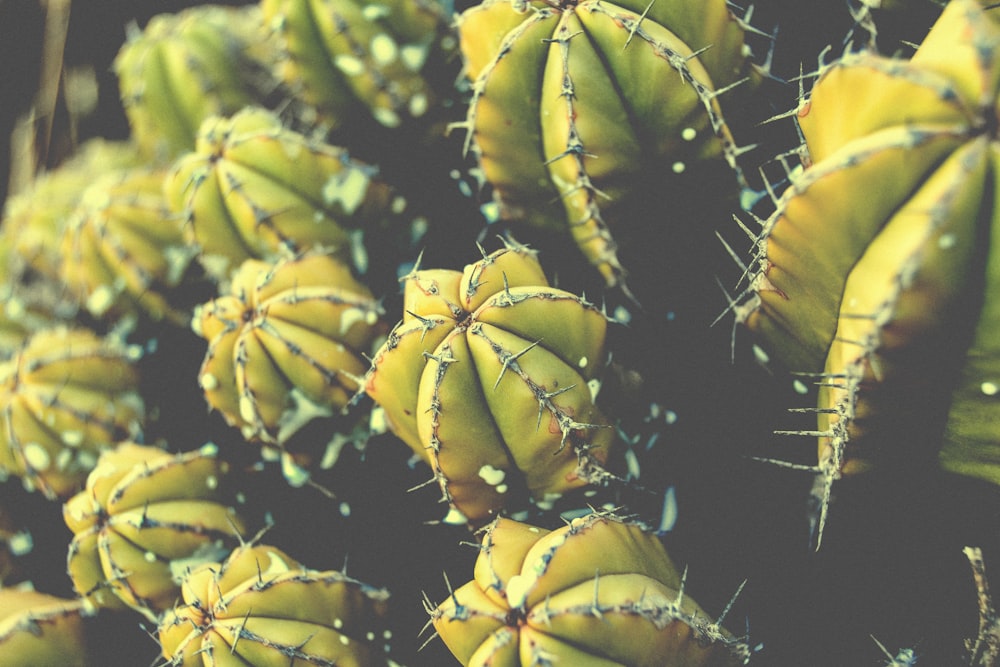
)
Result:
{"points": [[891, 566]]}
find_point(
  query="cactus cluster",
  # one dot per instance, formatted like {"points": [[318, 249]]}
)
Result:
{"points": [[423, 293]]}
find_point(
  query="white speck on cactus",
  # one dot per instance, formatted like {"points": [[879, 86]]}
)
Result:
{"points": [[349, 65], [517, 590], [212, 482], [583, 362], [384, 49], [100, 300], [413, 56], [149, 557], [418, 105], [208, 382], [63, 459], [345, 509], [455, 518], [347, 187], [386, 117], [670, 417], [374, 12], [800, 387], [595, 387], [990, 388], [294, 474], [678, 167], [20, 543], [72, 438], [491, 475], [689, 134], [947, 241], [36, 456], [760, 355]]}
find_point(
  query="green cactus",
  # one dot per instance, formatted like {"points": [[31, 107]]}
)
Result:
{"points": [[286, 344], [254, 189], [895, 313], [578, 102], [350, 57], [184, 67], [65, 396], [123, 253], [490, 377], [145, 517], [41, 629], [261, 607], [598, 591]]}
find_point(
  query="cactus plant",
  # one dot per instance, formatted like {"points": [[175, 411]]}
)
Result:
{"points": [[261, 607], [351, 57], [187, 66], [124, 254], [253, 189], [40, 629], [895, 314], [144, 519], [66, 395], [578, 102], [286, 344], [598, 591], [491, 377]]}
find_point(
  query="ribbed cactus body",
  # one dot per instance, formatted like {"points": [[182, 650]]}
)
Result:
{"points": [[286, 344], [35, 220], [879, 270], [575, 104], [488, 377], [253, 189], [65, 396], [184, 67], [261, 607], [599, 591], [145, 517], [124, 253], [345, 57], [42, 630]]}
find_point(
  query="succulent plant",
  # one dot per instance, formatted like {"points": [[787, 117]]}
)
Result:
{"points": [[41, 629], [349, 57], [123, 253], [261, 607], [598, 591], [286, 344], [65, 396], [576, 103], [490, 377], [34, 220], [144, 519], [186, 66], [254, 189], [895, 313]]}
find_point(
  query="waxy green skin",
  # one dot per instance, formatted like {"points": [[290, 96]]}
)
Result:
{"points": [[349, 57], [185, 67], [487, 379], [67, 395], [575, 104], [597, 592], [144, 517], [895, 312], [253, 189]]}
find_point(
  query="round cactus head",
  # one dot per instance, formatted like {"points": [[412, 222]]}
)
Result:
{"points": [[491, 377], [598, 591], [578, 105]]}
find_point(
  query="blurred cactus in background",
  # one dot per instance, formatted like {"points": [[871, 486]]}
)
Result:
{"points": [[213, 214]]}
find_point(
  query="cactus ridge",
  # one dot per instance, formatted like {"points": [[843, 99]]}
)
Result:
{"points": [[568, 169]]}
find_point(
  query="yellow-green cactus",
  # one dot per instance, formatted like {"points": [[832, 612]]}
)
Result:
{"points": [[253, 189], [599, 591], [42, 630], [261, 607], [345, 57], [890, 300], [123, 253], [65, 396], [144, 519], [35, 220], [490, 377], [183, 67], [573, 102], [286, 344]]}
